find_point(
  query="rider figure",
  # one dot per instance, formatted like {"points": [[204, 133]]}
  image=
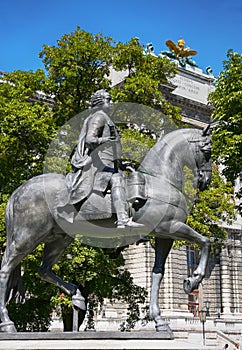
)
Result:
{"points": [[99, 151]]}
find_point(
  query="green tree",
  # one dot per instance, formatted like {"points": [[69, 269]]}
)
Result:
{"points": [[80, 64], [26, 127], [76, 67], [212, 207], [227, 103], [99, 273]]}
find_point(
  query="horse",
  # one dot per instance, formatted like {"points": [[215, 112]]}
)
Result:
{"points": [[31, 219]]}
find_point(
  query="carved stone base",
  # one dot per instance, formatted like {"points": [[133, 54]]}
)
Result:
{"points": [[100, 335]]}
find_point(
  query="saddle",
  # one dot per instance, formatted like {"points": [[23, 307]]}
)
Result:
{"points": [[98, 205]]}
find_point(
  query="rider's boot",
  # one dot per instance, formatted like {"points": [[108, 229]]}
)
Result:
{"points": [[120, 203]]}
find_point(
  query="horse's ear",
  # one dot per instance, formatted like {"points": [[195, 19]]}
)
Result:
{"points": [[206, 130]]}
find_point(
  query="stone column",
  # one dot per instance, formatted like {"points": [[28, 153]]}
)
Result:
{"points": [[236, 269], [225, 275]]}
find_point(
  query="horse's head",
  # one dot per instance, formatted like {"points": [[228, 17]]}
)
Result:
{"points": [[203, 171]]}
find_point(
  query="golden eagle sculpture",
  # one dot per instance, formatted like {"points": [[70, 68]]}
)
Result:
{"points": [[180, 50]]}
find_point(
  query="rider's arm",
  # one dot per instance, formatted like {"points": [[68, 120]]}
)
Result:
{"points": [[94, 136]]}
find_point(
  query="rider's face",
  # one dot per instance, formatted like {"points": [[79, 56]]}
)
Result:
{"points": [[106, 102]]}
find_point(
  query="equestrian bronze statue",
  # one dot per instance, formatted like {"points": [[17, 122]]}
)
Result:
{"points": [[156, 202]]}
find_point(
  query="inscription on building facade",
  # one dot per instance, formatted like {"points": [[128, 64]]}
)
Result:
{"points": [[191, 89]]}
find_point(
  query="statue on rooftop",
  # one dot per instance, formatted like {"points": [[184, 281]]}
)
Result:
{"points": [[180, 52], [149, 49]]}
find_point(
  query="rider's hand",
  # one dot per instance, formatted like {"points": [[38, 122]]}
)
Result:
{"points": [[109, 139], [127, 166]]}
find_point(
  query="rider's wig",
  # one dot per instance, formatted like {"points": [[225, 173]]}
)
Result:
{"points": [[98, 98]]}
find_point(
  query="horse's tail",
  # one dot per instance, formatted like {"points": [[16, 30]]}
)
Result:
{"points": [[15, 288]]}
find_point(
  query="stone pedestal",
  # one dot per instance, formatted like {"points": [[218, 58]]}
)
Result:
{"points": [[85, 340]]}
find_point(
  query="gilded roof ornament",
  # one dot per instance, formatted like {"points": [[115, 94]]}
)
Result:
{"points": [[180, 50], [180, 53]]}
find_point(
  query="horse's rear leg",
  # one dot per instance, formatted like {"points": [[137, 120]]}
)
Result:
{"points": [[52, 252], [162, 249], [11, 259]]}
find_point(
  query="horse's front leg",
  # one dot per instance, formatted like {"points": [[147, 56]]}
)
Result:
{"points": [[162, 249], [183, 231]]}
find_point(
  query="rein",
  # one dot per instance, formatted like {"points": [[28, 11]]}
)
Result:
{"points": [[144, 171]]}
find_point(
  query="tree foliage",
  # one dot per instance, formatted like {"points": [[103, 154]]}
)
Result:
{"points": [[80, 63], [76, 67], [227, 103], [99, 273], [211, 208], [26, 127]]}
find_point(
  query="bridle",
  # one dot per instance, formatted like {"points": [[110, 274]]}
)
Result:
{"points": [[202, 156]]}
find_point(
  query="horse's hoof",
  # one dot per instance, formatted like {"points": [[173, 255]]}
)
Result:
{"points": [[78, 301], [160, 324], [7, 327], [166, 330], [163, 327], [190, 284]]}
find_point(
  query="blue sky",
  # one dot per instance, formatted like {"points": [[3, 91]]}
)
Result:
{"points": [[210, 27]]}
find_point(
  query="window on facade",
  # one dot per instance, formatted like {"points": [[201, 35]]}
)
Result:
{"points": [[192, 259], [193, 303], [192, 262]]}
